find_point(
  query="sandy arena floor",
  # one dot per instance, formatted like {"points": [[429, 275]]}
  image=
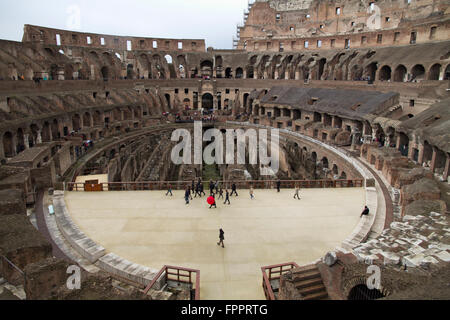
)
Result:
{"points": [[153, 230]]}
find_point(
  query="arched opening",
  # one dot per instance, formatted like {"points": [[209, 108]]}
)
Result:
{"points": [[53, 72], [435, 72], [250, 72], [8, 147], [46, 132], [322, 63], [404, 144], [362, 292], [317, 117], [343, 175], [385, 73], [246, 95], [427, 152], [55, 130], [130, 71], [207, 101], [447, 73], [206, 68], [325, 162], [371, 71], [239, 73], [314, 156], [87, 120], [68, 72], [400, 73], [97, 118], [105, 73], [20, 143], [228, 73], [335, 169], [187, 104], [418, 72], [76, 122], [167, 96]]}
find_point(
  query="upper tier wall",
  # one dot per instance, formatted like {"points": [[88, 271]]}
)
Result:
{"points": [[48, 36]]}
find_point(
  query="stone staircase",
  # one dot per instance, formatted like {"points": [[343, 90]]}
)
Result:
{"points": [[309, 284]]}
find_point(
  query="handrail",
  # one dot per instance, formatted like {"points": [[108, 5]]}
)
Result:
{"points": [[267, 287], [242, 184], [166, 269]]}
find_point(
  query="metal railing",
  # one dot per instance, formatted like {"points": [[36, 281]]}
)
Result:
{"points": [[240, 184], [16, 268], [179, 275], [274, 272]]}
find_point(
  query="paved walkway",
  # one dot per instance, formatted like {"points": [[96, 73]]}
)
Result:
{"points": [[153, 230]]}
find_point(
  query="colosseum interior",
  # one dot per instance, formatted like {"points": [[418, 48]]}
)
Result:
{"points": [[359, 91]]}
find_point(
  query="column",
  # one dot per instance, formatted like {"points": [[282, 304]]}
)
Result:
{"points": [[39, 137], [25, 141], [447, 165], [433, 160], [421, 151]]}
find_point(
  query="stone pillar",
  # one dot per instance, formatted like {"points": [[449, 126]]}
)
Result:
{"points": [[39, 137], [421, 152], [276, 74], [266, 76], [447, 165], [245, 74], [25, 141], [297, 75], [333, 121], [433, 160]]}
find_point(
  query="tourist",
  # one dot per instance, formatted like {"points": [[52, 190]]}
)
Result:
{"points": [[220, 193], [227, 197], [217, 184], [190, 192], [186, 195], [214, 203], [365, 212], [221, 238], [297, 191], [211, 186], [201, 190], [252, 196], [169, 190], [193, 186], [233, 189], [278, 185]]}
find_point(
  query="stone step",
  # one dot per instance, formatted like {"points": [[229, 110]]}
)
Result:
{"points": [[312, 290], [307, 275], [317, 296], [307, 283]]}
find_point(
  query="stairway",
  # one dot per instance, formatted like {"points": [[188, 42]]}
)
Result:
{"points": [[308, 282]]}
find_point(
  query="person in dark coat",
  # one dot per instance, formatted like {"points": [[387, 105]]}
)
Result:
{"points": [[221, 238], [278, 185], [221, 193], [365, 212], [227, 197], [187, 193], [201, 190], [233, 189]]}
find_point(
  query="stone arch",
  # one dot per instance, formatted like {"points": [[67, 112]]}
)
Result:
{"points": [[418, 72], [435, 72], [105, 72], [55, 129], [239, 73], [20, 141], [46, 132], [400, 73], [321, 68], [8, 145], [87, 120], [167, 96], [385, 73], [447, 73], [325, 163], [228, 73], [371, 70], [76, 122], [130, 72], [206, 67], [343, 175], [362, 292], [207, 101]]}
